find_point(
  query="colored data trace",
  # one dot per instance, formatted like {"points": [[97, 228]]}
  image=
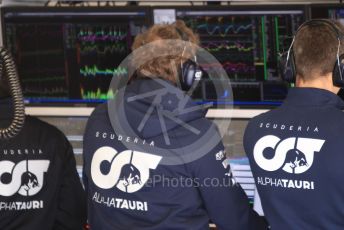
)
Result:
{"points": [[112, 34], [97, 94], [216, 46], [99, 49], [222, 30], [94, 71]]}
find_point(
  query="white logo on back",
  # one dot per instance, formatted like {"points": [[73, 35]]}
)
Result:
{"points": [[293, 155], [129, 170]]}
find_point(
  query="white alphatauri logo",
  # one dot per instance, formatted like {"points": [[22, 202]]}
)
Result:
{"points": [[293, 155], [25, 177], [128, 170]]}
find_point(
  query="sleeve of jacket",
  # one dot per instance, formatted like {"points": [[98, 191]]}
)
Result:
{"points": [[71, 211], [224, 199], [86, 152]]}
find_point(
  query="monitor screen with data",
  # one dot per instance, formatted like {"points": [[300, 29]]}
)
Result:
{"points": [[69, 55], [246, 41]]}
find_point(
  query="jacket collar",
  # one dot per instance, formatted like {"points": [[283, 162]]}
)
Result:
{"points": [[313, 97]]}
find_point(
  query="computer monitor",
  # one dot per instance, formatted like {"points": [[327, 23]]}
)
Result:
{"points": [[246, 40], [68, 55]]}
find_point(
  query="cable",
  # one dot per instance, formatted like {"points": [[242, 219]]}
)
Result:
{"points": [[7, 64]]}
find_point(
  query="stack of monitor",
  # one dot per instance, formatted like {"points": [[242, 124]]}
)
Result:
{"points": [[68, 56]]}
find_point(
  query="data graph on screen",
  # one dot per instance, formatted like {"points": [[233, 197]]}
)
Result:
{"points": [[68, 55], [99, 51], [247, 44]]}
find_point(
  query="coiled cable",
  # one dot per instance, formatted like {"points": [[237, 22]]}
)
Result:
{"points": [[8, 68]]}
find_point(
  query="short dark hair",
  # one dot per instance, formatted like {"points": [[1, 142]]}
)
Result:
{"points": [[315, 49]]}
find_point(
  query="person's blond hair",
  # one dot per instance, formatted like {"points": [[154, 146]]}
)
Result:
{"points": [[171, 55]]}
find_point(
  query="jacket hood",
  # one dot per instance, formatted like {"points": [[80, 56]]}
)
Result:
{"points": [[155, 106]]}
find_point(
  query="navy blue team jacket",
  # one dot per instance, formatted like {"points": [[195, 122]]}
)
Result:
{"points": [[39, 184], [132, 184], [296, 154]]}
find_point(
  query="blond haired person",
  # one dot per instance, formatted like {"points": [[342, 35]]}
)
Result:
{"points": [[178, 193]]}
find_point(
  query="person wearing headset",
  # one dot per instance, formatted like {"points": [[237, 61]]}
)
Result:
{"points": [[39, 185], [296, 150], [130, 181]]}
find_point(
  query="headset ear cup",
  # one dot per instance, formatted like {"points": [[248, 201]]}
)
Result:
{"points": [[185, 68], [338, 72], [189, 74], [287, 67]]}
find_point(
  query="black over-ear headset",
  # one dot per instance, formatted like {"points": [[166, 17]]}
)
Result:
{"points": [[287, 60], [190, 72]]}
